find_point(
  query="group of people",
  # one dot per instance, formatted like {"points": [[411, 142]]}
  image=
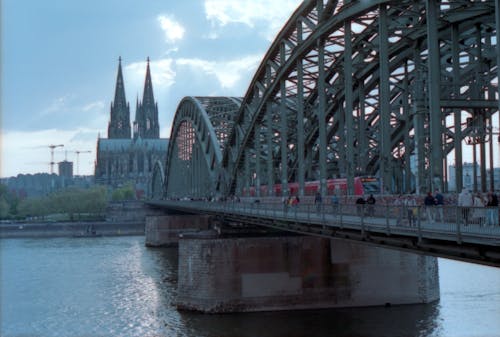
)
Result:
{"points": [[434, 206], [473, 208], [291, 201], [361, 202], [406, 205]]}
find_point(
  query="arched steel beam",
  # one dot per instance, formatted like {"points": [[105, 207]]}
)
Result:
{"points": [[158, 181], [264, 87], [199, 132]]}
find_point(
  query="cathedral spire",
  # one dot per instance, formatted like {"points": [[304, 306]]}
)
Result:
{"points": [[146, 115], [148, 97], [119, 124], [120, 87]]}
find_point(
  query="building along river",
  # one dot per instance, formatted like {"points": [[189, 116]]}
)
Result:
{"points": [[115, 286]]}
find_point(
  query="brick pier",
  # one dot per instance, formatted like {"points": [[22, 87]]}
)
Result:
{"points": [[298, 272]]}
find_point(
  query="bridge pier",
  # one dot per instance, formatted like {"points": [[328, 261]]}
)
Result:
{"points": [[298, 272], [163, 231]]}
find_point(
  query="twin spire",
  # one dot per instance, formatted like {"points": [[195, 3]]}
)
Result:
{"points": [[146, 123]]}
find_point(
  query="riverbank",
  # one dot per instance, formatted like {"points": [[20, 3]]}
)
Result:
{"points": [[71, 229]]}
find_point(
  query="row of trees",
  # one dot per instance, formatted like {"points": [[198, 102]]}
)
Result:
{"points": [[70, 203]]}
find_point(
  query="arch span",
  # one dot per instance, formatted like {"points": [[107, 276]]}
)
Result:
{"points": [[386, 88], [199, 135]]}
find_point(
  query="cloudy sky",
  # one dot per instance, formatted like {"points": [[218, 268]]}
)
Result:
{"points": [[60, 58]]}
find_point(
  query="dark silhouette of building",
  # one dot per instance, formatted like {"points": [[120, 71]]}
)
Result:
{"points": [[65, 169], [41, 184], [121, 158]]}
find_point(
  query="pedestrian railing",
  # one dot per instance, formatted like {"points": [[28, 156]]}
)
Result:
{"points": [[454, 223]]}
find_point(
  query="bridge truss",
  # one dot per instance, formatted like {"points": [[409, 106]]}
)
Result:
{"points": [[350, 88]]}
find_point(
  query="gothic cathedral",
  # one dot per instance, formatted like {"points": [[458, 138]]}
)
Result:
{"points": [[125, 158]]}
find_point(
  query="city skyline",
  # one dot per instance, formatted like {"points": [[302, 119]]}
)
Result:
{"points": [[60, 61]]}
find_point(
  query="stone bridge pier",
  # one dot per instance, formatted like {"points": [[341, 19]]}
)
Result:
{"points": [[266, 273], [299, 272]]}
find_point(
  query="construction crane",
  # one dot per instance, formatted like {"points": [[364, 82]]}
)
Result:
{"points": [[78, 160], [52, 147]]}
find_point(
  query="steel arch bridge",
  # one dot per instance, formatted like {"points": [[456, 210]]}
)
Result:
{"points": [[350, 88]]}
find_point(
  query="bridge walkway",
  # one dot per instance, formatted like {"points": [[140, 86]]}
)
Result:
{"points": [[382, 225]]}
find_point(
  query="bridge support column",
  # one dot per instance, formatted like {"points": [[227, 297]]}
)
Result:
{"points": [[299, 272], [164, 230]]}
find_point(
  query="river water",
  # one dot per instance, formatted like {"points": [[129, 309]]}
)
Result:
{"points": [[115, 286]]}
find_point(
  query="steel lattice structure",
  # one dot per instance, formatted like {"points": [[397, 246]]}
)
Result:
{"points": [[349, 88]]}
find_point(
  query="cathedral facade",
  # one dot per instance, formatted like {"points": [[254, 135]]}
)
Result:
{"points": [[129, 154]]}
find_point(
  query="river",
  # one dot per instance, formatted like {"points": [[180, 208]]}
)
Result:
{"points": [[115, 286]]}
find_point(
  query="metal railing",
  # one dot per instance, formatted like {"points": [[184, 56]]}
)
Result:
{"points": [[450, 223]]}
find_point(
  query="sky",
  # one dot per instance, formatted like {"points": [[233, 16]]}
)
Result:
{"points": [[59, 62]]}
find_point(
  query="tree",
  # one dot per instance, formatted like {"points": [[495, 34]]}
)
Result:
{"points": [[8, 203], [71, 201], [125, 192]]}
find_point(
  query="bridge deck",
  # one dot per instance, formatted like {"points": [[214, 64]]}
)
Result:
{"points": [[386, 226]]}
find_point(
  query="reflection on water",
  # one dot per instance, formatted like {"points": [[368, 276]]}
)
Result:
{"points": [[395, 321], [117, 287]]}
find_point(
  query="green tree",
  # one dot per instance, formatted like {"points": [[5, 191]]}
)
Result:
{"points": [[71, 202], [9, 203], [126, 192], [4, 208]]}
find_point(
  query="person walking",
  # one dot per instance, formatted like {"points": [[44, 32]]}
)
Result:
{"points": [[335, 203], [465, 202], [318, 201], [371, 205], [429, 203], [360, 206], [492, 209], [399, 205], [286, 201], [479, 211], [439, 199], [411, 210]]}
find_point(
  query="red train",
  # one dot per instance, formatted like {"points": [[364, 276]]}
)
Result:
{"points": [[362, 185]]}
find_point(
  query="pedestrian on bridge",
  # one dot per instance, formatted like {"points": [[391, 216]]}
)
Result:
{"points": [[492, 209], [286, 202], [335, 203], [465, 202], [429, 203], [318, 201], [360, 206], [479, 213], [411, 210], [371, 205], [439, 200], [398, 209]]}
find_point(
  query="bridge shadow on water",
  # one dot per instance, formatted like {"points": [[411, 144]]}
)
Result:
{"points": [[405, 320]]}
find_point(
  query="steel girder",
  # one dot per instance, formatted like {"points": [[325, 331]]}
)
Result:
{"points": [[346, 89], [157, 181], [361, 87], [198, 138]]}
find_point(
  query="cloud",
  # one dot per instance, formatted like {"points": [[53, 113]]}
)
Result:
{"points": [[173, 30], [57, 105], [271, 14], [98, 105], [228, 73], [162, 73]]}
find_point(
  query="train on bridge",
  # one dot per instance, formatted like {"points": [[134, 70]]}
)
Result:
{"points": [[362, 185]]}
